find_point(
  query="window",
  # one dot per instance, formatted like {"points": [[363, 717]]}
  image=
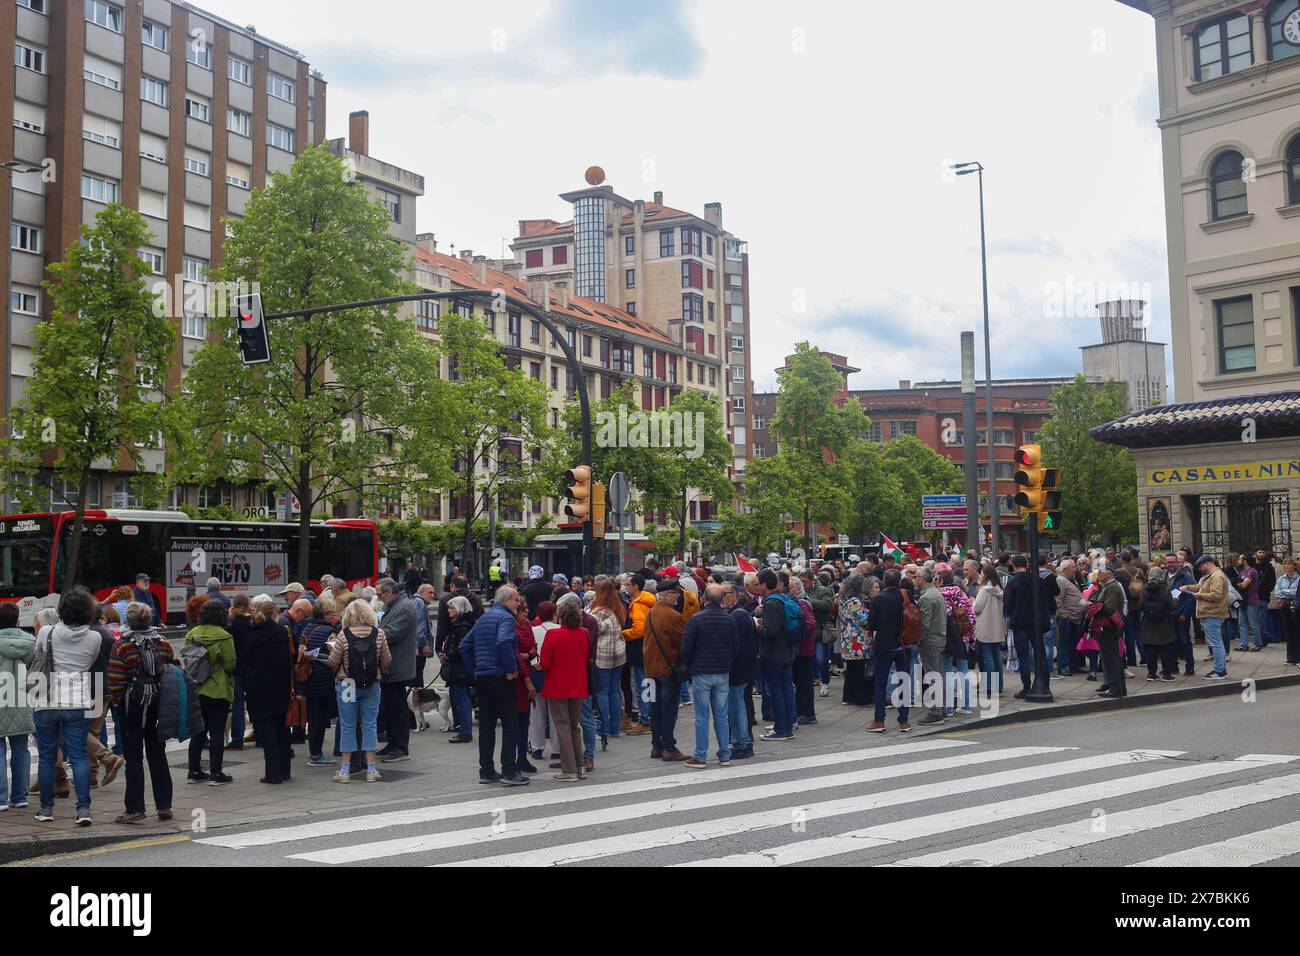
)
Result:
{"points": [[29, 57], [26, 238], [1227, 186], [690, 372], [1282, 44], [153, 204], [154, 259], [197, 109], [1004, 436], [586, 346], [738, 373], [196, 162], [153, 91], [875, 433], [1293, 172], [692, 307], [690, 241], [154, 35], [760, 421], [30, 117], [1003, 470], [26, 301], [279, 137], [738, 404], [237, 174], [708, 245], [665, 243], [37, 5], [902, 428], [533, 259], [392, 203], [629, 245], [153, 147], [426, 315], [100, 130], [630, 278], [1031, 436], [1236, 321], [713, 377], [1222, 47], [534, 331], [194, 325], [631, 308], [241, 71], [648, 363], [281, 87], [105, 14], [559, 255], [102, 72], [555, 376], [195, 269], [99, 190], [199, 53], [758, 451], [710, 278], [737, 343], [535, 371], [982, 474], [711, 312], [692, 274]]}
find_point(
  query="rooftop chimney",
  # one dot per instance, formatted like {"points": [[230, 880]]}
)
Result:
{"points": [[427, 241], [713, 213], [467, 255], [539, 290], [904, 385], [478, 268], [562, 295], [359, 132], [659, 197]]}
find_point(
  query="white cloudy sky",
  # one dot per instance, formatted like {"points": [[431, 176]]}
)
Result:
{"points": [[822, 127]]}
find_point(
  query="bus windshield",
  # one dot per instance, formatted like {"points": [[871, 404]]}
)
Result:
{"points": [[25, 547]]}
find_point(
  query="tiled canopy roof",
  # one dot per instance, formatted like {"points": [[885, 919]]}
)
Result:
{"points": [[1275, 415]]}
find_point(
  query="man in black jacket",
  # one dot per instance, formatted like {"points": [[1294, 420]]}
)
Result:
{"points": [[1019, 604], [886, 616], [776, 655], [709, 650], [399, 626], [740, 707]]}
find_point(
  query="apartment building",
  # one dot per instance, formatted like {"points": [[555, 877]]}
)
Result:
{"points": [[678, 272], [160, 106]]}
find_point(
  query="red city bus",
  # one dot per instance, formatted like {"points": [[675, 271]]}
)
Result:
{"points": [[177, 552]]}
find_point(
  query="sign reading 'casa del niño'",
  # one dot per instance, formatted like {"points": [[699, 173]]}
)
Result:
{"points": [[1246, 471]]}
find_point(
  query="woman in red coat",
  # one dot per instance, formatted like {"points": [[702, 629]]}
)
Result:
{"points": [[524, 691], [564, 661]]}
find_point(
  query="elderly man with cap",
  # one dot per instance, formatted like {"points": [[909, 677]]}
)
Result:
{"points": [[294, 591], [664, 630], [1211, 593], [142, 594], [537, 590]]}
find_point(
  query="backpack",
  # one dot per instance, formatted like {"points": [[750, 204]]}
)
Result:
{"points": [[363, 658], [794, 623], [147, 678], [194, 658], [961, 620], [910, 632], [954, 646]]}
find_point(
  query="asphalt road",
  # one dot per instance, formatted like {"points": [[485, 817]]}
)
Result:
{"points": [[1213, 781]]}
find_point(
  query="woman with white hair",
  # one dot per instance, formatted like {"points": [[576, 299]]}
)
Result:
{"points": [[359, 656], [456, 673], [268, 682]]}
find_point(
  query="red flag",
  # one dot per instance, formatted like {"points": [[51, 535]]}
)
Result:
{"points": [[745, 565]]}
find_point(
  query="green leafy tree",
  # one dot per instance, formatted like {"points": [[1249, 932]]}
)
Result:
{"points": [[877, 496], [496, 430], [84, 400], [813, 430], [637, 462], [918, 470], [1098, 481], [350, 405]]}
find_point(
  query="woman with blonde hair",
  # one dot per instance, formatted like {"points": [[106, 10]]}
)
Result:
{"points": [[359, 657], [611, 654]]}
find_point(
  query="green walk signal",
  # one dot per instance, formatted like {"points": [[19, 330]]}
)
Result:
{"points": [[1049, 522]]}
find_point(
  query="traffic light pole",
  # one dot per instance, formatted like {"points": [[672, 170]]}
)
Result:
{"points": [[488, 295], [1041, 691]]}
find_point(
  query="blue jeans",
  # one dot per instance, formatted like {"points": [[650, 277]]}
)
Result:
{"points": [[236, 714], [1213, 627], [958, 666], [641, 692], [1229, 631], [364, 706], [779, 681], [1249, 626], [990, 664], [20, 767], [462, 709], [898, 660], [1049, 647], [738, 718], [1024, 656], [663, 713], [588, 721], [1133, 638], [1065, 641], [69, 728], [1184, 631], [119, 715], [711, 693], [823, 670], [609, 699]]}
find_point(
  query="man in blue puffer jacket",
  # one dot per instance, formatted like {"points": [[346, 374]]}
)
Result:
{"points": [[492, 647]]}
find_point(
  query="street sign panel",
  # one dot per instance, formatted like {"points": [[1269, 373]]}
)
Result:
{"points": [[842, 539], [254, 345], [943, 499], [931, 524], [620, 493], [944, 511]]}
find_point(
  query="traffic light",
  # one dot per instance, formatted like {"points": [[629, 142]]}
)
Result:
{"points": [[1038, 494], [579, 493], [597, 509], [254, 345]]}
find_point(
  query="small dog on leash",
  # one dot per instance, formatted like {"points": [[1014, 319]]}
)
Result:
{"points": [[425, 700]]}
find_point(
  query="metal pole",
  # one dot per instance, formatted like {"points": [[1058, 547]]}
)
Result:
{"points": [[969, 430], [988, 375], [1041, 690]]}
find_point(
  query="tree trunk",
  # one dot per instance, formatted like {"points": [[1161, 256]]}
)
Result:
{"points": [[303, 492], [681, 525], [807, 530], [78, 528], [469, 516]]}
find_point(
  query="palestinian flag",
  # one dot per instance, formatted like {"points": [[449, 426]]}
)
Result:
{"points": [[956, 547], [888, 547]]}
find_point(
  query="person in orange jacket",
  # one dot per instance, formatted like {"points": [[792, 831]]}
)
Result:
{"points": [[642, 602]]}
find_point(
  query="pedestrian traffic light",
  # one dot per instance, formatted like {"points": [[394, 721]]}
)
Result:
{"points": [[254, 345], [597, 509], [578, 479], [1029, 477]]}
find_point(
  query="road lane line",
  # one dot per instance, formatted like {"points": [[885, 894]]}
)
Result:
{"points": [[1249, 849]]}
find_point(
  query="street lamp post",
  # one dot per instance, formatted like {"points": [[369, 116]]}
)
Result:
{"points": [[965, 169]]}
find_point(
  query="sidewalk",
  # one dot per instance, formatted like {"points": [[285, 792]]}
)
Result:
{"points": [[439, 771]]}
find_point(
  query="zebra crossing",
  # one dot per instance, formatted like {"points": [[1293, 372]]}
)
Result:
{"points": [[943, 802]]}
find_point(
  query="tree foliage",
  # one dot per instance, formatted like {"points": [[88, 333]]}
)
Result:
{"points": [[1098, 481], [85, 401]]}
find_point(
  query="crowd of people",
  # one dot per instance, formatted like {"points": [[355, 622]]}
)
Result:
{"points": [[553, 665]]}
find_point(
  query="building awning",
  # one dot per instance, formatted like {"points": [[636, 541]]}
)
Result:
{"points": [[1272, 415]]}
